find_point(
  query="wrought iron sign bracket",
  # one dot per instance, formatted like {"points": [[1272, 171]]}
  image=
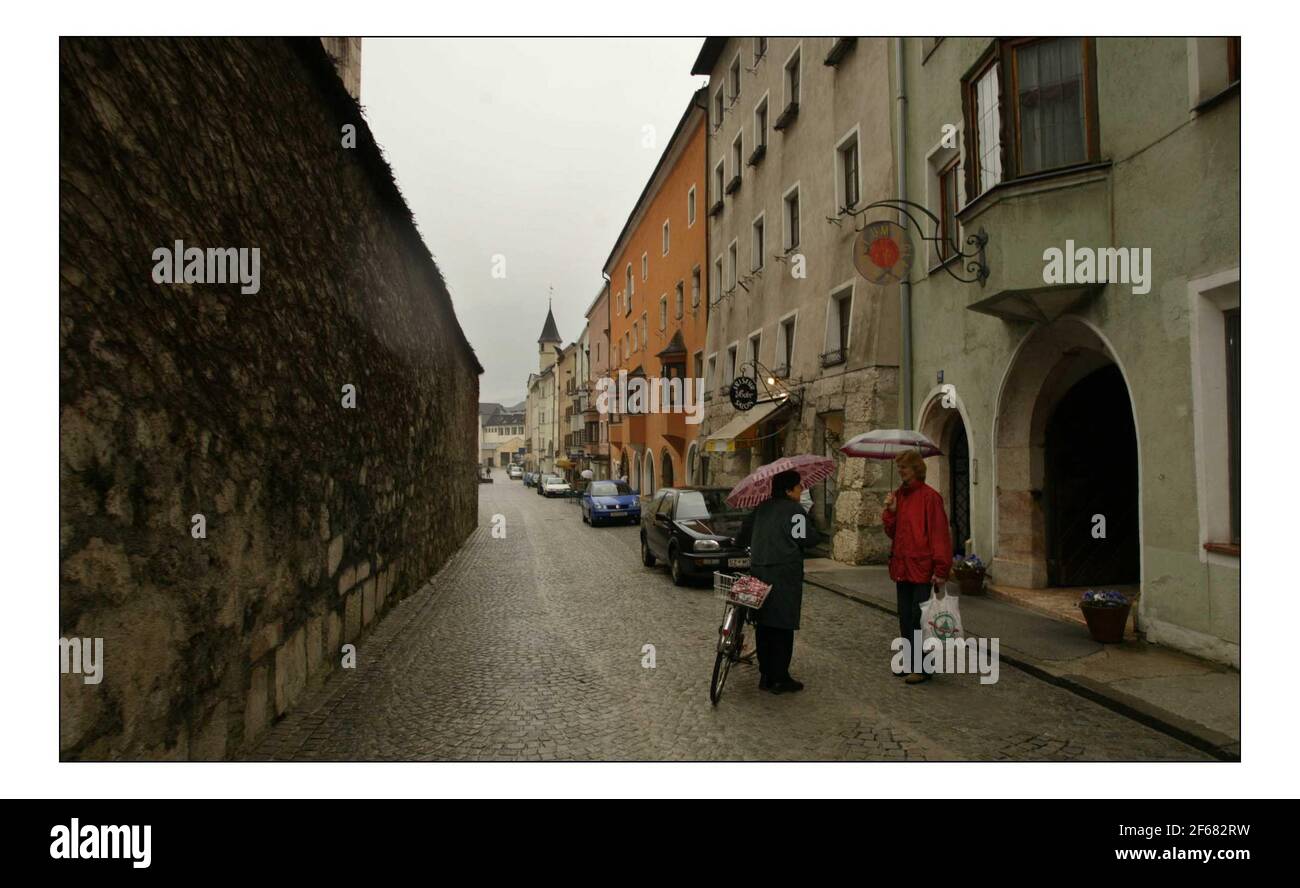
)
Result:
{"points": [[973, 257]]}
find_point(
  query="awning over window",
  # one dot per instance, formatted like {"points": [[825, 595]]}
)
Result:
{"points": [[724, 439]]}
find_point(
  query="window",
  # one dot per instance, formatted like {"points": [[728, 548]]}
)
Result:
{"points": [[785, 346], [756, 260], [665, 237], [1051, 123], [731, 265], [737, 160], [645, 330], [630, 288], [719, 105], [718, 285], [711, 374], [792, 74], [733, 78], [645, 266], [1030, 107], [663, 312], [699, 365], [681, 299], [730, 367], [791, 202], [690, 207], [846, 166], [755, 344], [760, 124], [695, 286], [1232, 360], [838, 316], [760, 49], [948, 230], [719, 183]]}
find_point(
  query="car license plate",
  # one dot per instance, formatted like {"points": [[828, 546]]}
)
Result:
{"points": [[616, 514], [737, 562]]}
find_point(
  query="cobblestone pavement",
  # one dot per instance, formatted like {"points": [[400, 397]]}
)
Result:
{"points": [[530, 648]]}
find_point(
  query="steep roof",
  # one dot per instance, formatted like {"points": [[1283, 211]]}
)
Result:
{"points": [[550, 333], [676, 346], [708, 56]]}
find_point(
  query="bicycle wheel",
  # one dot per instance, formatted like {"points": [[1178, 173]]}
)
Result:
{"points": [[721, 666]]}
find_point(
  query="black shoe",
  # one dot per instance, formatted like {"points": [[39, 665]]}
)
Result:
{"points": [[764, 683], [786, 687]]}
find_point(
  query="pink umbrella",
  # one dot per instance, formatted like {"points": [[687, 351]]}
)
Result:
{"points": [[757, 487], [888, 443]]}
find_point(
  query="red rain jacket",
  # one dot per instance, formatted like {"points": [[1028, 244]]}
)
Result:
{"points": [[922, 544]]}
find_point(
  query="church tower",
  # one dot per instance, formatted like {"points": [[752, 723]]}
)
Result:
{"points": [[547, 342]]}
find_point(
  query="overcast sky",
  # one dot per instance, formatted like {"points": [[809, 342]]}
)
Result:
{"points": [[530, 149]]}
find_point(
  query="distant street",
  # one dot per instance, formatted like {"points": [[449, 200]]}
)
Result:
{"points": [[530, 648]]}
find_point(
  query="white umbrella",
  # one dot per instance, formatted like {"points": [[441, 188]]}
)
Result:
{"points": [[586, 473], [888, 443]]}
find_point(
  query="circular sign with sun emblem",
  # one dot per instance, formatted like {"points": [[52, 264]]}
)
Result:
{"points": [[944, 626], [744, 393], [882, 253]]}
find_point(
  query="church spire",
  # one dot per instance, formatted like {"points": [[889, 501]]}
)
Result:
{"points": [[550, 333]]}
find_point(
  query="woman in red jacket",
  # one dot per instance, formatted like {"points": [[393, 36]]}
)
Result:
{"points": [[922, 552]]}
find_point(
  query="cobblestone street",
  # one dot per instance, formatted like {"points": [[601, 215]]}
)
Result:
{"points": [[530, 648]]}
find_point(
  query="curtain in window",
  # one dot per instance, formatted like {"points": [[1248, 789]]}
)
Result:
{"points": [[988, 124], [1049, 80]]}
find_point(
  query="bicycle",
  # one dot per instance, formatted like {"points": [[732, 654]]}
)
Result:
{"points": [[731, 634]]}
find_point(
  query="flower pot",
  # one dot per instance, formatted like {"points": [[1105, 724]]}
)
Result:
{"points": [[969, 583], [1106, 624]]}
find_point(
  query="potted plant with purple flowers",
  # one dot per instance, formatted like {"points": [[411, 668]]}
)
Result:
{"points": [[969, 572], [1106, 611]]}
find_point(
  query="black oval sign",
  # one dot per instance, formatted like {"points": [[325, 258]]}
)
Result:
{"points": [[744, 393]]}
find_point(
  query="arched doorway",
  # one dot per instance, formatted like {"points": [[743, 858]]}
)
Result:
{"points": [[1066, 450], [943, 422], [622, 465], [693, 464], [648, 488], [1092, 484], [666, 473], [635, 477]]}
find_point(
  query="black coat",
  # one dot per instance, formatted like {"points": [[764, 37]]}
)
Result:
{"points": [[776, 557]]}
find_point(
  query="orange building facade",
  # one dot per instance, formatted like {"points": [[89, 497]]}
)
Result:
{"points": [[659, 312]]}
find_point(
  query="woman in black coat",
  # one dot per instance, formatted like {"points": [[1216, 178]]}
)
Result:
{"points": [[781, 533]]}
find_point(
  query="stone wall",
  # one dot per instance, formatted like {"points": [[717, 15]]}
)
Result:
{"points": [[179, 400]]}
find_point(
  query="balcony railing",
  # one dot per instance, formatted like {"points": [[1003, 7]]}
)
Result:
{"points": [[831, 358]]}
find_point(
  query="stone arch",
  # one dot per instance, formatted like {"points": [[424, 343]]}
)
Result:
{"points": [[635, 478], [693, 464], [1047, 365], [943, 425], [648, 467], [667, 476]]}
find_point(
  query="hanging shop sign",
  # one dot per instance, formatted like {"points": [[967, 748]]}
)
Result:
{"points": [[882, 252], [744, 393]]}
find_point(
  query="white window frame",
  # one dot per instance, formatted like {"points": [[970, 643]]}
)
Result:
{"points": [[780, 337], [760, 138], [853, 135], [697, 285], [757, 261], [679, 300], [1211, 296], [720, 179], [690, 207], [738, 152], [645, 267], [733, 259], [645, 329], [665, 237], [754, 354], [721, 269], [631, 287], [760, 54], [936, 159], [710, 371], [719, 106], [733, 362], [663, 312], [739, 69], [785, 76], [832, 314], [786, 243]]}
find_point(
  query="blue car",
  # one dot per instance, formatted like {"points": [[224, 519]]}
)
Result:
{"points": [[605, 502]]}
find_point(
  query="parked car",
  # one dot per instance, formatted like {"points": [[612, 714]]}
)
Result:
{"points": [[484, 475], [515, 473], [695, 532], [605, 502], [541, 481], [556, 486]]}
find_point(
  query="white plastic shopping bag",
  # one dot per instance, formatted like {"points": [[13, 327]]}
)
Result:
{"points": [[940, 616]]}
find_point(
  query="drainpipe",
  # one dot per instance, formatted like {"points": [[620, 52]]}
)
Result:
{"points": [[904, 286]]}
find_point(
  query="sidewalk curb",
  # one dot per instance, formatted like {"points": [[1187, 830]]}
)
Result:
{"points": [[1197, 736]]}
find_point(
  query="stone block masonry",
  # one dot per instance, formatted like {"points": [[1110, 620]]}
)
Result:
{"points": [[193, 398]]}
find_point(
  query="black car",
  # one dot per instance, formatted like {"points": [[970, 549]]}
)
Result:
{"points": [[695, 531]]}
